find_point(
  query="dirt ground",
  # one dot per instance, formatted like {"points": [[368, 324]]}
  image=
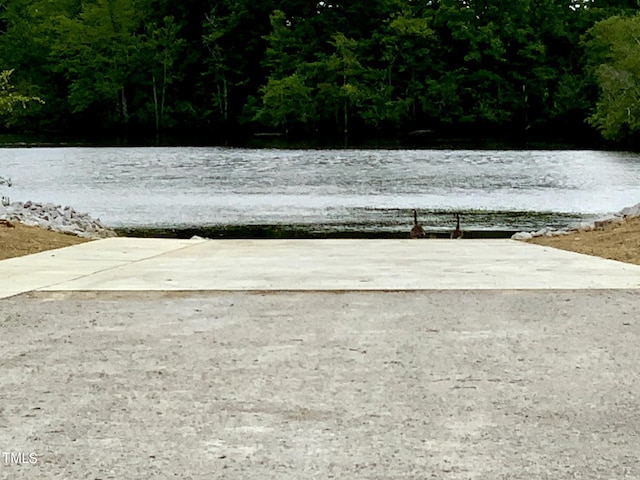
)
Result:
{"points": [[17, 240], [614, 241], [617, 242]]}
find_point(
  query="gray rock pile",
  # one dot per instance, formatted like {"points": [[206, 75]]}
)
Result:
{"points": [[618, 217], [52, 217], [631, 211]]}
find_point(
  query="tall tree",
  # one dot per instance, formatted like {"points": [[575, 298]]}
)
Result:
{"points": [[615, 48], [164, 47], [233, 58], [25, 46], [97, 52]]}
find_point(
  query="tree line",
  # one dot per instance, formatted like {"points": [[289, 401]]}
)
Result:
{"points": [[323, 68]]}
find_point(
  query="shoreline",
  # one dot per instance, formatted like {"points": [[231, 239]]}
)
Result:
{"points": [[29, 227], [286, 231], [597, 224], [617, 241]]}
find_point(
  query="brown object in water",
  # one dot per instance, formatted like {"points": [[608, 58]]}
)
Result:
{"points": [[417, 231], [457, 233], [6, 223]]}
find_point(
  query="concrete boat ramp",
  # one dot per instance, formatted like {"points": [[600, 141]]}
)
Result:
{"points": [[130, 264], [298, 359]]}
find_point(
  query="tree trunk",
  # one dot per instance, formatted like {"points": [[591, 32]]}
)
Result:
{"points": [[155, 103], [164, 92], [346, 119], [226, 99], [125, 109], [223, 100], [346, 112]]}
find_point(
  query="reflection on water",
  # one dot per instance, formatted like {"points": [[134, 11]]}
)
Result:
{"points": [[336, 189]]}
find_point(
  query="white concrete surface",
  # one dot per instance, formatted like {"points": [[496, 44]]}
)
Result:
{"points": [[131, 264], [54, 267]]}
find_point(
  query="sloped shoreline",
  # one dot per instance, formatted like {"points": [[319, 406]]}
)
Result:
{"points": [[54, 217]]}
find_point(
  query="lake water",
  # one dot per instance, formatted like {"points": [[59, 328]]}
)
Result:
{"points": [[364, 190]]}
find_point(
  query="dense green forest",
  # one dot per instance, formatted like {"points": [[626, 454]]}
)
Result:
{"points": [[227, 69]]}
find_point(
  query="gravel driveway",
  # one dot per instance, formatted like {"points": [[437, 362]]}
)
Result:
{"points": [[296, 385]]}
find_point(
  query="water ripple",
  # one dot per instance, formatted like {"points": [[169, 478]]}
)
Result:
{"points": [[368, 188]]}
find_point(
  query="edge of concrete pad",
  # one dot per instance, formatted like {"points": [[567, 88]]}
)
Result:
{"points": [[52, 267], [111, 294]]}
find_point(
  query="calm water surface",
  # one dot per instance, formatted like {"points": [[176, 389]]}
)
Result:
{"points": [[325, 189]]}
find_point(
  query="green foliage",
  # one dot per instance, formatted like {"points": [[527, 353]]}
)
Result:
{"points": [[97, 52], [616, 41], [287, 101], [9, 98], [322, 67], [164, 47]]}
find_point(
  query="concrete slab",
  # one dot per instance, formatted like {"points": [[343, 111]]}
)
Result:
{"points": [[32, 272], [163, 264]]}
